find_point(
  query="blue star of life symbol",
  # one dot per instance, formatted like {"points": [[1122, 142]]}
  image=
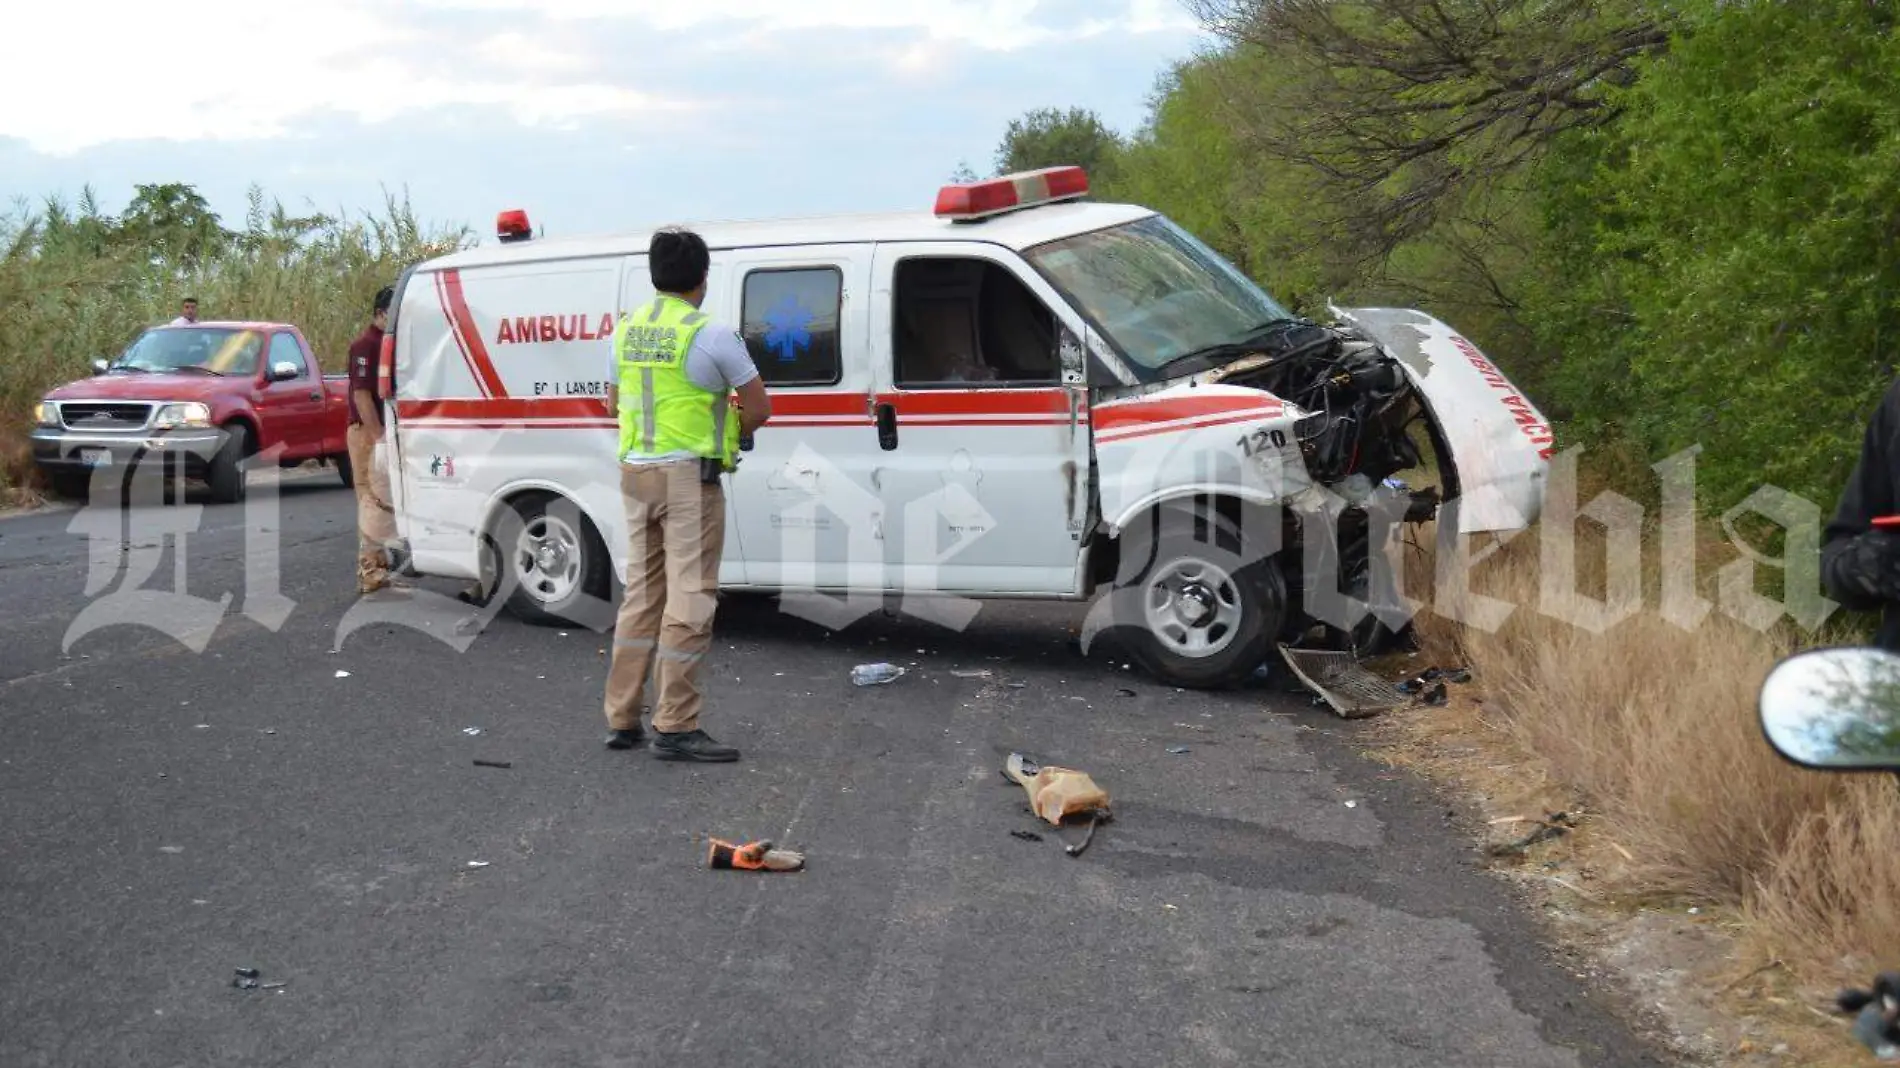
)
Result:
{"points": [[787, 331]]}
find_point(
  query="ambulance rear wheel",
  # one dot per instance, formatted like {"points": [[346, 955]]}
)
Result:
{"points": [[1189, 604], [554, 564]]}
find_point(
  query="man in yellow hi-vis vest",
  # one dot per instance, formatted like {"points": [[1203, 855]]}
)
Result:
{"points": [[674, 374]]}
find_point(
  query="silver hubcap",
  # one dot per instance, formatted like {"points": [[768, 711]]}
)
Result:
{"points": [[548, 559], [1193, 607]]}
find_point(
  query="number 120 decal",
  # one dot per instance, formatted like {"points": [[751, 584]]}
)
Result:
{"points": [[1261, 440]]}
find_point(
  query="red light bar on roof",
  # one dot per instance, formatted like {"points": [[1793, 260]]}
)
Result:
{"points": [[1011, 192], [513, 226]]}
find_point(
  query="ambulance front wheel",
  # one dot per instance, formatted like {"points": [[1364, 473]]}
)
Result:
{"points": [[553, 563], [1191, 607]]}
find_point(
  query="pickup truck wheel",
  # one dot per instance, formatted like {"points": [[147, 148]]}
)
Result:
{"points": [[554, 564], [343, 471], [1190, 608], [228, 466], [72, 485]]}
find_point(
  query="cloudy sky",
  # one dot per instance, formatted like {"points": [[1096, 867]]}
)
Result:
{"points": [[592, 114]]}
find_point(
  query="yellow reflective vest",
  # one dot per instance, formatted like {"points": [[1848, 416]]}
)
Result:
{"points": [[661, 409]]}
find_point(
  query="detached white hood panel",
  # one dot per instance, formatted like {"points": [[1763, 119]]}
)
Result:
{"points": [[1500, 443]]}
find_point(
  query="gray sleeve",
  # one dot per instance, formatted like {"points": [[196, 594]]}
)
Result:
{"points": [[722, 360]]}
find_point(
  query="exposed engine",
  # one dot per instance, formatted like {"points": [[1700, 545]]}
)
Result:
{"points": [[1362, 404], [1358, 435]]}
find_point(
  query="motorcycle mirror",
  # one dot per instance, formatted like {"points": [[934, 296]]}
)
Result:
{"points": [[1835, 709]]}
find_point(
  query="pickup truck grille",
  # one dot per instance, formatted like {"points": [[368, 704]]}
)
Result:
{"points": [[104, 415]]}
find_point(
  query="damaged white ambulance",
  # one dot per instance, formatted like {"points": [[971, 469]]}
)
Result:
{"points": [[1022, 393]]}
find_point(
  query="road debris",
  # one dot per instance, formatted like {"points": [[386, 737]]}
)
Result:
{"points": [[471, 731], [1422, 682], [478, 864], [342, 674], [1027, 836], [493, 764], [1095, 820], [1339, 680], [1177, 750], [1876, 1014], [1555, 825], [977, 673], [1057, 793], [722, 855], [875, 674]]}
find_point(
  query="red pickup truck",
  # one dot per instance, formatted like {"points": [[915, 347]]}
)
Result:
{"points": [[209, 396]]}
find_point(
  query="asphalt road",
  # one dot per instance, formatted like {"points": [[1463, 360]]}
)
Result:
{"points": [[1266, 898]]}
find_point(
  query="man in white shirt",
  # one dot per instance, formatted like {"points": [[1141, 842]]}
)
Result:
{"points": [[189, 313]]}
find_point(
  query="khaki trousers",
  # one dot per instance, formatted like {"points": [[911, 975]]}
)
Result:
{"points": [[676, 532], [375, 519]]}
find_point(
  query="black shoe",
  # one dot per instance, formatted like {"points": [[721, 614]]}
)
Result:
{"points": [[627, 739], [692, 745]]}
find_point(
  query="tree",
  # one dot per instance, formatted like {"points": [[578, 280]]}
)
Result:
{"points": [[1724, 260], [1408, 106], [175, 223], [1048, 137]]}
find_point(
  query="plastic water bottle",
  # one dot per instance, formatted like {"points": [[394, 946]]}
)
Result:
{"points": [[874, 674]]}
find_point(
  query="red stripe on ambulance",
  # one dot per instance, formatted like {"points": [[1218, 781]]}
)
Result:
{"points": [[1124, 416], [947, 408], [467, 336]]}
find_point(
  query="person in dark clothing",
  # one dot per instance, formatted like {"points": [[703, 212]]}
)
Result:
{"points": [[1860, 563], [375, 520]]}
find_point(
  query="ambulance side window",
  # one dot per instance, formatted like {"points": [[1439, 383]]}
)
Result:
{"points": [[965, 323], [789, 318]]}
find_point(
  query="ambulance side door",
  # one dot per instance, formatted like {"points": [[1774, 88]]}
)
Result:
{"points": [[805, 506], [636, 292], [983, 452]]}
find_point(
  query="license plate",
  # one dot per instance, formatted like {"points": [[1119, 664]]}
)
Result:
{"points": [[96, 457]]}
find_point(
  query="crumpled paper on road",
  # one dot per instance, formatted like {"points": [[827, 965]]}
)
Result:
{"points": [[1056, 793]]}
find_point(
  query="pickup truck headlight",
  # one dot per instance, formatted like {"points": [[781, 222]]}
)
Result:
{"points": [[46, 413], [172, 416]]}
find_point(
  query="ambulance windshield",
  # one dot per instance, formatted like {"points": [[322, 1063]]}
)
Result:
{"points": [[1155, 292]]}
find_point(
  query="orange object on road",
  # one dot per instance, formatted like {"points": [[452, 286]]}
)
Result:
{"points": [[722, 855]]}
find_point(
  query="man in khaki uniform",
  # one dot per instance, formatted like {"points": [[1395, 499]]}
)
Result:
{"points": [[673, 375], [375, 519]]}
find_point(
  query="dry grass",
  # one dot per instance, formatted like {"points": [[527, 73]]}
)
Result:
{"points": [[1651, 731]]}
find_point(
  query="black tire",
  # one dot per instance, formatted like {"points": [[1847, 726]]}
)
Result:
{"points": [[552, 564], [72, 485], [1216, 624], [226, 476], [343, 470]]}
